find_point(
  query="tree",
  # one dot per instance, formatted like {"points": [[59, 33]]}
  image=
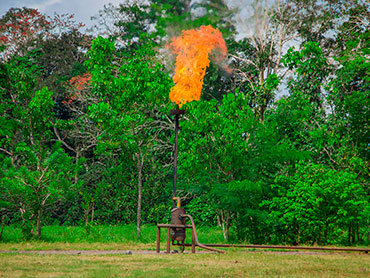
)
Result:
{"points": [[322, 22], [350, 88], [303, 117], [316, 205], [311, 68], [61, 59], [34, 173], [23, 29], [259, 63], [229, 157], [132, 100], [79, 136]]}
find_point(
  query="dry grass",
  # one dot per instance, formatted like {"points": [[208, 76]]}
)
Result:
{"points": [[235, 263]]}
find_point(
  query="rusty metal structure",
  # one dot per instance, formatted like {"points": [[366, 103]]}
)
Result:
{"points": [[177, 212], [176, 231]]}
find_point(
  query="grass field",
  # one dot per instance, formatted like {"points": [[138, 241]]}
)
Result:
{"points": [[235, 263], [100, 237]]}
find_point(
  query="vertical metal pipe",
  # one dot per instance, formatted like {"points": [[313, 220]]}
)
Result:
{"points": [[192, 240], [175, 160], [158, 239], [168, 240]]}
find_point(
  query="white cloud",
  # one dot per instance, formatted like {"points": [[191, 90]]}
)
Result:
{"points": [[43, 6], [82, 9]]}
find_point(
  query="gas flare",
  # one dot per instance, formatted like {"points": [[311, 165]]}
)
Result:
{"points": [[193, 48]]}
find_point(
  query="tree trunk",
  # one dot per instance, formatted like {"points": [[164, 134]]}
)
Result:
{"points": [[2, 225], [139, 188], [225, 223], [86, 216], [227, 229], [92, 212], [38, 223], [353, 235], [349, 235]]}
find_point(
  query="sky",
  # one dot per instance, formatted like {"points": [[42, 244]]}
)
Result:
{"points": [[82, 9]]}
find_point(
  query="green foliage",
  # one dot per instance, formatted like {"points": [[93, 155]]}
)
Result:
{"points": [[232, 157], [213, 131], [350, 93], [34, 172], [311, 68], [202, 211], [317, 205], [132, 100]]}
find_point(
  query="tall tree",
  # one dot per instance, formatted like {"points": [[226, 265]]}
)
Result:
{"points": [[259, 64], [35, 172], [132, 100]]}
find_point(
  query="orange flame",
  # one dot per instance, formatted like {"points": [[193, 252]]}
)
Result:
{"points": [[192, 49]]}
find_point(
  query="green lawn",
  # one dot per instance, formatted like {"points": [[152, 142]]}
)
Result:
{"points": [[235, 263], [105, 233], [100, 237]]}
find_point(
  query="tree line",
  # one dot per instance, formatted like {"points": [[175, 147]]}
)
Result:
{"points": [[277, 151]]}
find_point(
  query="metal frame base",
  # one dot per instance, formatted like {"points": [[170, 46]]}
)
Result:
{"points": [[168, 242]]}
